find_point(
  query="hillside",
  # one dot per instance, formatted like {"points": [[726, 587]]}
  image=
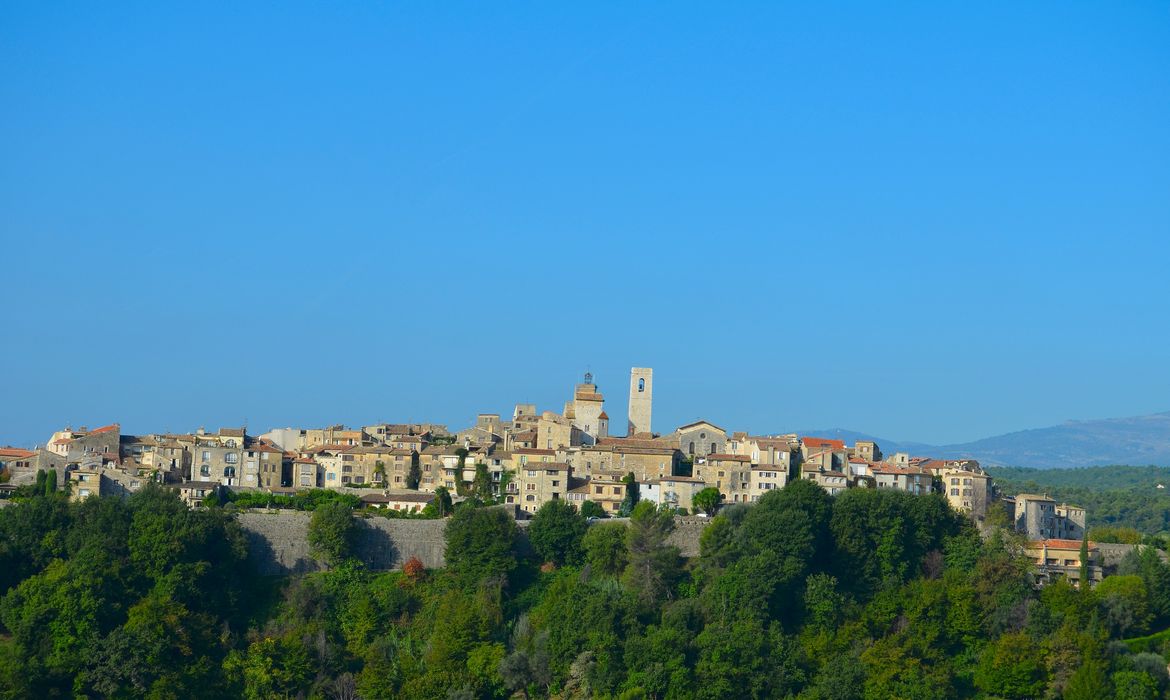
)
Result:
{"points": [[1143, 440]]}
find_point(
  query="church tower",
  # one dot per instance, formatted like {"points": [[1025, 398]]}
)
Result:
{"points": [[641, 399]]}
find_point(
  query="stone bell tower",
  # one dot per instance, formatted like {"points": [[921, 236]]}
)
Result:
{"points": [[641, 399]]}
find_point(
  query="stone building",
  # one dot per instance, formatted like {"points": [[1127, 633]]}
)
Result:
{"points": [[538, 482], [729, 473], [966, 491], [641, 401], [585, 411], [700, 439]]}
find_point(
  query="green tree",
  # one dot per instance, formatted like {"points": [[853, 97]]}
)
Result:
{"points": [[480, 543], [1084, 572], [592, 509], [1134, 685], [1089, 682], [481, 487], [556, 532], [1012, 667], [653, 564], [605, 548], [414, 474], [442, 502], [707, 500], [51, 482], [333, 533], [1125, 604], [632, 495]]}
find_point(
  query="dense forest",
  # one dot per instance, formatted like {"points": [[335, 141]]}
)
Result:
{"points": [[870, 594], [1113, 497]]}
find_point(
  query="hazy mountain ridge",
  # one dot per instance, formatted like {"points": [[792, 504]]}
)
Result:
{"points": [[1137, 440]]}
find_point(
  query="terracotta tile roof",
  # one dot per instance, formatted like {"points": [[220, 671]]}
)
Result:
{"points": [[701, 422], [104, 429], [545, 466], [16, 452], [532, 451], [604, 416], [780, 444], [729, 458], [823, 442], [643, 443], [1061, 544]]}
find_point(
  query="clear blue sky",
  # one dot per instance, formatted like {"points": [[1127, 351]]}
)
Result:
{"points": [[927, 221]]}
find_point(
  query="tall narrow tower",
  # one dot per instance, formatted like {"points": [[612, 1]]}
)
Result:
{"points": [[641, 399]]}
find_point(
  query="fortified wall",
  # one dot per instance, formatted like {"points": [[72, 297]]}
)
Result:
{"points": [[278, 543]]}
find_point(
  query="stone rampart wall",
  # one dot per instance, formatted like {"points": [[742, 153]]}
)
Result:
{"points": [[278, 541]]}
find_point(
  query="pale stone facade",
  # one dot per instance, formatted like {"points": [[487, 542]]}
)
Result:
{"points": [[641, 401]]}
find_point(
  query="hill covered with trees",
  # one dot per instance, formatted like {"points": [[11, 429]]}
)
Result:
{"points": [[871, 594], [1113, 496]]}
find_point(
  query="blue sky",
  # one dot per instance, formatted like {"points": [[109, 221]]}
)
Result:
{"points": [[926, 221]]}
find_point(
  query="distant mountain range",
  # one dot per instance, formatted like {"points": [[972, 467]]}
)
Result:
{"points": [[1140, 440]]}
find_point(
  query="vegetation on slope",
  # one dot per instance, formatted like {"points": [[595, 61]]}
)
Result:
{"points": [[1118, 496], [871, 594]]}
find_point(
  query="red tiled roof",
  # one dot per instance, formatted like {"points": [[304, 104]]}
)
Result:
{"points": [[16, 452], [823, 442], [1061, 544], [730, 458], [105, 429]]}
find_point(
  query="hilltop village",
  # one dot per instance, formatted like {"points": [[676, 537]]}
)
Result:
{"points": [[532, 457]]}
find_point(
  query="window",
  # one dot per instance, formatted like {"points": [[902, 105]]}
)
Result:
{"points": [[691, 448], [598, 489], [330, 477], [205, 470], [206, 455], [530, 498], [229, 472], [532, 472], [641, 385], [530, 487], [712, 448], [617, 490], [556, 483], [231, 458]]}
